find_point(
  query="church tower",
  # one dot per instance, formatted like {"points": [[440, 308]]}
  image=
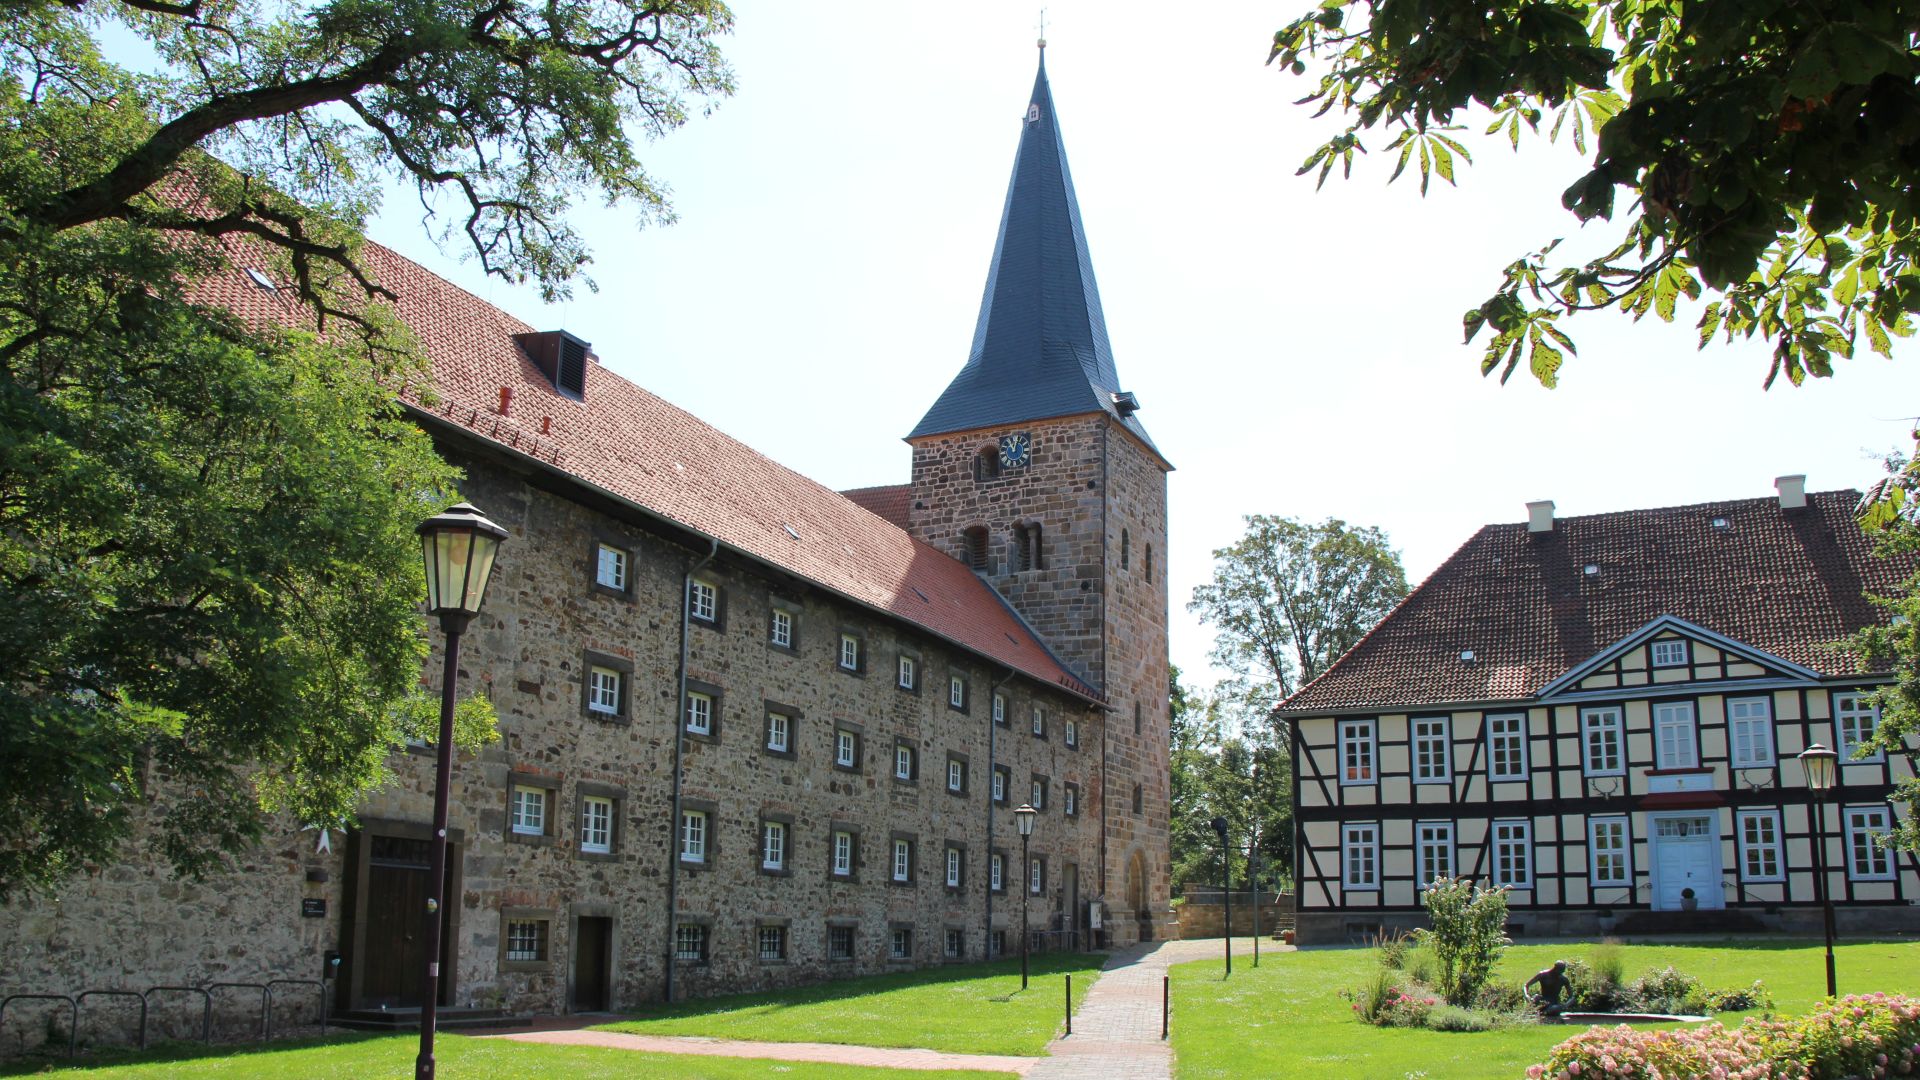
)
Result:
{"points": [[1034, 468]]}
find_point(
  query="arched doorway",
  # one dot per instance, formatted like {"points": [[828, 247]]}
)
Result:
{"points": [[1137, 894]]}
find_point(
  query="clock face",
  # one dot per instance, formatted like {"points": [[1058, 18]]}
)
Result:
{"points": [[1015, 450]]}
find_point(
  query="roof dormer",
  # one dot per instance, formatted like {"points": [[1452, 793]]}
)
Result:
{"points": [[561, 357]]}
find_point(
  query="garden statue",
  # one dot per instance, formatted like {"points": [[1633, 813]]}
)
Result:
{"points": [[1553, 984]]}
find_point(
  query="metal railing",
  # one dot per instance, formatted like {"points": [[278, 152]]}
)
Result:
{"points": [[145, 998]]}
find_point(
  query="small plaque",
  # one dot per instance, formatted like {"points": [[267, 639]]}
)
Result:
{"points": [[313, 909]]}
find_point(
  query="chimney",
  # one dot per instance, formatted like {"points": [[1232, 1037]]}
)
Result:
{"points": [[1793, 491], [1540, 516]]}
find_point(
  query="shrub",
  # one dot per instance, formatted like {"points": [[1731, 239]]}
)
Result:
{"points": [[1383, 1002], [1501, 997], [1393, 947], [1621, 1053], [1469, 931], [1668, 990], [1595, 987], [1455, 1018], [1420, 966], [1873, 1035], [1738, 999], [1609, 966]]}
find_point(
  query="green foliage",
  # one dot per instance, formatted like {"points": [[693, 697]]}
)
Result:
{"points": [[1288, 598], [1892, 517], [1454, 1018], [1247, 780], [209, 582], [1764, 153], [1468, 934]]}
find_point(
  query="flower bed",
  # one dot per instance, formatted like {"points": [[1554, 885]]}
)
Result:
{"points": [[1863, 1037]]}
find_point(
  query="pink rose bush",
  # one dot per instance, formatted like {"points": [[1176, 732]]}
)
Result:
{"points": [[1862, 1037]]}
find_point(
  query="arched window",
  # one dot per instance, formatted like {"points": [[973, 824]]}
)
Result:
{"points": [[1126, 543], [986, 464], [975, 539], [1028, 552]]}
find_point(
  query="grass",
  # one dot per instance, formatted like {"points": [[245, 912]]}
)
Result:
{"points": [[967, 1009], [369, 1057], [1287, 1018]]}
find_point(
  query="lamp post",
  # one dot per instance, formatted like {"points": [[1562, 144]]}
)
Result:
{"points": [[1819, 764], [1023, 816], [459, 546], [1253, 885], [1226, 884]]}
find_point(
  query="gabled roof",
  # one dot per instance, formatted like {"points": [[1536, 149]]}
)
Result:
{"points": [[1040, 346], [889, 501], [1785, 583], [626, 443], [1666, 624]]}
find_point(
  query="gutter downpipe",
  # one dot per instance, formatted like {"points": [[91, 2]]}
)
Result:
{"points": [[679, 740], [993, 769]]}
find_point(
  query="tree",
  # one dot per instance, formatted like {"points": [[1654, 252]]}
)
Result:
{"points": [[1766, 152], [1893, 516], [1234, 770], [209, 583], [1287, 599]]}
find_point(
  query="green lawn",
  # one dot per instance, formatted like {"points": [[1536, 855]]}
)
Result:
{"points": [[967, 1009], [373, 1057], [1287, 1018]]}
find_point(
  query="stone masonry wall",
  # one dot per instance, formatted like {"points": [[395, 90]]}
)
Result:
{"points": [[130, 924]]}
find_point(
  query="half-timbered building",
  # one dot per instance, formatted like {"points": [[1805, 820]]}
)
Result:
{"points": [[1602, 714]]}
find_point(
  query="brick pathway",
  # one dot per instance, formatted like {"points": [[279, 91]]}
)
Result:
{"points": [[829, 1053]]}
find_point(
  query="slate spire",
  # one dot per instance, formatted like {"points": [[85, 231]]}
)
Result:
{"points": [[1040, 346]]}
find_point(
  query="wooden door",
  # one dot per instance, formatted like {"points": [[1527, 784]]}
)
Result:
{"points": [[394, 923], [592, 964]]}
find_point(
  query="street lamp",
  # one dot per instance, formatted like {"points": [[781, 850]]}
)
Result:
{"points": [[1819, 764], [1023, 816], [459, 546], [1226, 884]]}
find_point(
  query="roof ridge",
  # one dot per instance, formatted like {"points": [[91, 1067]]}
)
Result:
{"points": [[1755, 500]]}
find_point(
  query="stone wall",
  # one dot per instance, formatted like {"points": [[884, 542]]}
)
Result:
{"points": [[130, 924], [1204, 914]]}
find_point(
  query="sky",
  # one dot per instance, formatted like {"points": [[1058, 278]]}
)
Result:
{"points": [[1294, 352]]}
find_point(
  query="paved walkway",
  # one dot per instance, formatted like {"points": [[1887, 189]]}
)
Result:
{"points": [[1116, 1032]]}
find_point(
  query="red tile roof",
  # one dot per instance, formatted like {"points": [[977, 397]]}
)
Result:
{"points": [[889, 502], [1789, 583], [639, 447]]}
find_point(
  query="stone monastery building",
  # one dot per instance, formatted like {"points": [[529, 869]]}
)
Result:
{"points": [[754, 731]]}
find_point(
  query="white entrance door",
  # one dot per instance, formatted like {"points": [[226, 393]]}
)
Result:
{"points": [[1686, 855]]}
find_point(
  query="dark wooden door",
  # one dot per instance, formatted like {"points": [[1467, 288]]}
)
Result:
{"points": [[395, 952], [592, 964]]}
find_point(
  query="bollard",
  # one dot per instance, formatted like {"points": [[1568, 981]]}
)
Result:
{"points": [[1166, 1003], [1069, 1004]]}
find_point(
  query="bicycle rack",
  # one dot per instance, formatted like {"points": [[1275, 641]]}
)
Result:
{"points": [[317, 984], [266, 999], [73, 1027], [206, 1012], [141, 998]]}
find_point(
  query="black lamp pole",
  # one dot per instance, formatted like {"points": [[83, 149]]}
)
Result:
{"points": [[459, 547], [1253, 884], [1023, 816], [1818, 761], [1226, 886]]}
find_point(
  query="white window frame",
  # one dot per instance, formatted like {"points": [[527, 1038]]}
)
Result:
{"points": [[1036, 875], [1360, 856], [908, 672], [527, 941], [903, 860], [999, 786], [1848, 711], [1749, 845], [1039, 792], [953, 867], [699, 718], [779, 732], [957, 692], [902, 761], [1070, 805], [1430, 837], [596, 824], [1071, 733], [956, 775], [1609, 835], [846, 748], [1662, 710], [1675, 650], [1000, 709], [773, 845], [603, 690], [996, 871], [1357, 736], [1517, 834], [1427, 731], [771, 942], [1039, 721], [842, 853], [610, 568], [780, 632], [1862, 824], [1609, 721], [1518, 742], [849, 653], [529, 806], [1747, 747], [693, 835], [703, 601]]}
